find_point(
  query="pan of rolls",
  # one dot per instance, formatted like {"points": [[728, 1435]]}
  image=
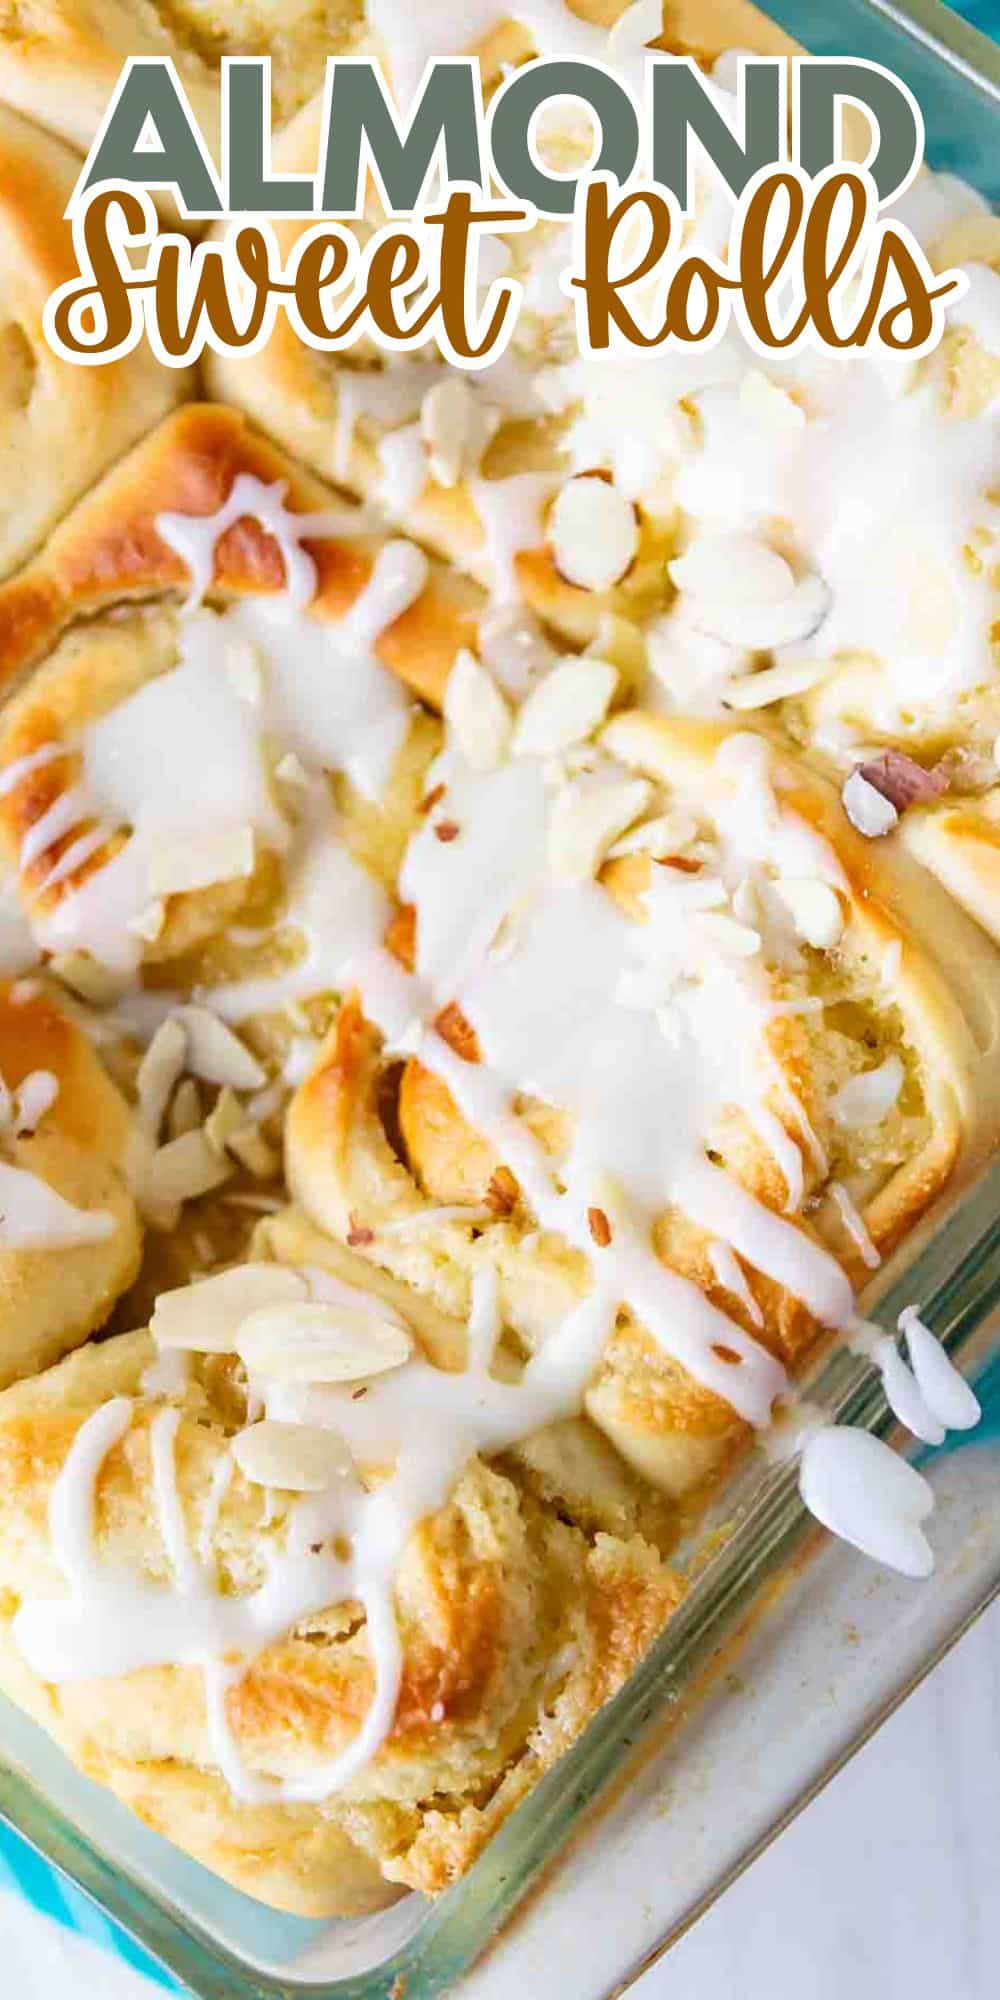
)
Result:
{"points": [[498, 947]]}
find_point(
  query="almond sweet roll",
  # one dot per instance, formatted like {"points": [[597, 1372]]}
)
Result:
{"points": [[327, 1650], [471, 463], [806, 536], [473, 1016], [348, 1622], [657, 1038], [199, 668]]}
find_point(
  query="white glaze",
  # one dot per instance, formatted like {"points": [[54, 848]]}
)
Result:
{"points": [[863, 1492], [427, 1421], [33, 1216], [324, 697], [628, 1028]]}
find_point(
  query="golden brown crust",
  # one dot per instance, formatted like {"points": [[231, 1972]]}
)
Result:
{"points": [[347, 1171], [526, 1600], [60, 426], [109, 551], [515, 1629], [52, 1299], [293, 393], [959, 841], [108, 556]]}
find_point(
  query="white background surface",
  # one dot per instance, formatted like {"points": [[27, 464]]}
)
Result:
{"points": [[886, 1888]]}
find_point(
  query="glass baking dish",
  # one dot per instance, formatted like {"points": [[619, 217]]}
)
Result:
{"points": [[827, 1644]]}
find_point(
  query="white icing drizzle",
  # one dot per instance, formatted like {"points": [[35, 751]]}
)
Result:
{"points": [[33, 1216], [76, 855], [426, 1422], [168, 1375], [648, 1036], [510, 515], [549, 1022], [188, 749], [222, 1479], [929, 1395], [864, 1493], [194, 537], [71, 1508], [902, 1391], [169, 1510], [325, 696], [22, 767], [854, 1223], [943, 1389], [887, 492], [336, 908], [59, 818], [731, 1275]]}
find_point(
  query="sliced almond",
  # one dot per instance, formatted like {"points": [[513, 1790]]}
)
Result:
{"points": [[593, 533], [291, 770], [214, 1053], [766, 404], [476, 713], [622, 643], [564, 708], [226, 1117], [740, 590], [242, 665], [903, 781], [320, 1342], [869, 1097], [185, 1108], [732, 569], [667, 834], [867, 809], [149, 922], [448, 426], [86, 977], [745, 903], [725, 934], [778, 683], [205, 1318], [634, 28], [159, 1072], [814, 909], [514, 648], [180, 1171], [300, 1458], [181, 866], [587, 820], [248, 1145], [34, 1096]]}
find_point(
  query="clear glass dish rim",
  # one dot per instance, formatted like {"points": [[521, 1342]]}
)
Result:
{"points": [[957, 1276]]}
